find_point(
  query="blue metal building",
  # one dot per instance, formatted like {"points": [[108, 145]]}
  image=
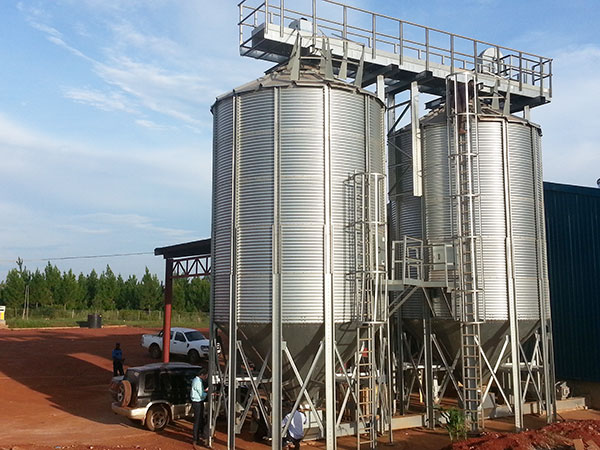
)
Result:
{"points": [[573, 237]]}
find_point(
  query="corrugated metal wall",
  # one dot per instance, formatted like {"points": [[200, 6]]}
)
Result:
{"points": [[573, 236]]}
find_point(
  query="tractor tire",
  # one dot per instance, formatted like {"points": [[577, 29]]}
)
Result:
{"points": [[155, 351], [124, 393], [157, 418]]}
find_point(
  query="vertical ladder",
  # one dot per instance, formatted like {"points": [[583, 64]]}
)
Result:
{"points": [[369, 274], [462, 123], [366, 410]]}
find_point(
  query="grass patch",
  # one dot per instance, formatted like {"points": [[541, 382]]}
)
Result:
{"points": [[201, 321]]}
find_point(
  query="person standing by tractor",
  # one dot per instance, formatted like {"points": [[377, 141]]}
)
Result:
{"points": [[198, 396], [117, 357]]}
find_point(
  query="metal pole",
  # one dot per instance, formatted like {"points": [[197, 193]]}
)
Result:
{"points": [[416, 140], [520, 71], [512, 307], [400, 361], [388, 379], [232, 355], [428, 372], [213, 358], [276, 332], [427, 49], [374, 36], [330, 410], [168, 303], [266, 16], [451, 53], [281, 16], [314, 23]]}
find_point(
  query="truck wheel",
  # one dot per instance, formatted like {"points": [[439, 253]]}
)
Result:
{"points": [[124, 393], [155, 351], [194, 356], [157, 418]]}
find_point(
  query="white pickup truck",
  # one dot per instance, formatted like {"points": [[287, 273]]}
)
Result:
{"points": [[184, 341]]}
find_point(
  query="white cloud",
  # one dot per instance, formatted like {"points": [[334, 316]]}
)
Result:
{"points": [[152, 125], [79, 174], [113, 101], [136, 222]]}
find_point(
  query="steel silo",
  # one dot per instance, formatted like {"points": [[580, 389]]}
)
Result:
{"points": [[285, 152], [510, 213]]}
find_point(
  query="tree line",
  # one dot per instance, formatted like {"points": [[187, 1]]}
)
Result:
{"points": [[107, 291]]}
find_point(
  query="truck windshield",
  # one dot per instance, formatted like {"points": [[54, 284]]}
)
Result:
{"points": [[194, 336]]}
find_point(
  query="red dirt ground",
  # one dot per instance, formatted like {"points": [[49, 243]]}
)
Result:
{"points": [[558, 435], [54, 393]]}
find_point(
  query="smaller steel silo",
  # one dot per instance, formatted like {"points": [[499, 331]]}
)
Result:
{"points": [[482, 199]]}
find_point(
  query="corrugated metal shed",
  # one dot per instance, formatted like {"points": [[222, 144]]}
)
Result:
{"points": [[573, 236]]}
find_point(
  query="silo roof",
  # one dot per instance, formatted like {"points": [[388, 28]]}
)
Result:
{"points": [[309, 76]]}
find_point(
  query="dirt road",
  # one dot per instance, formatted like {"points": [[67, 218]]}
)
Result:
{"points": [[54, 393]]}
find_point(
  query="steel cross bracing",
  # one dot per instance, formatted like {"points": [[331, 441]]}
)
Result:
{"points": [[402, 51], [195, 266]]}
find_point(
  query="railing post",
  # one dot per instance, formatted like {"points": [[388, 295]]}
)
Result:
{"points": [[550, 78], [520, 71], [266, 16], [541, 77], [281, 16], [401, 38], [427, 49], [498, 71], [374, 35], [475, 68], [241, 26], [451, 53], [314, 22], [345, 25]]}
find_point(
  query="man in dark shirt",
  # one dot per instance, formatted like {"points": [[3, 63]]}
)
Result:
{"points": [[117, 357]]}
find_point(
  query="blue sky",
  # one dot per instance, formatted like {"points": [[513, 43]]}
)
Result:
{"points": [[105, 124]]}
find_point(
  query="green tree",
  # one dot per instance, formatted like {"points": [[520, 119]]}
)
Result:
{"points": [[14, 289], [150, 291], [107, 290], [91, 283], [39, 293], [179, 289], [198, 295], [129, 297], [71, 293], [53, 283]]}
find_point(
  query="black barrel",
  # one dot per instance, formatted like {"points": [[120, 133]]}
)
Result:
{"points": [[95, 320]]}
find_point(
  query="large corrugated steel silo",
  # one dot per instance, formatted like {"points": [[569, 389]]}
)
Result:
{"points": [[284, 154]]}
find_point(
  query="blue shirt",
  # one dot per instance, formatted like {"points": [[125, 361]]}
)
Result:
{"points": [[117, 354], [197, 394]]}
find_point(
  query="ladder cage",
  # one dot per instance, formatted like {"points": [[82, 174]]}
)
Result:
{"points": [[462, 108]]}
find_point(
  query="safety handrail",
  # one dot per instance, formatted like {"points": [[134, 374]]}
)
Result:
{"points": [[515, 65]]}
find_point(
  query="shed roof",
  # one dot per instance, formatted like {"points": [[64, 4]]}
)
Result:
{"points": [[193, 248]]}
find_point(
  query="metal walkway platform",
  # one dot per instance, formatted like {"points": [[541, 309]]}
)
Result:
{"points": [[401, 51]]}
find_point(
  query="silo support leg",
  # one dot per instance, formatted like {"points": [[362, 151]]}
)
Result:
{"points": [[215, 405], [428, 373]]}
